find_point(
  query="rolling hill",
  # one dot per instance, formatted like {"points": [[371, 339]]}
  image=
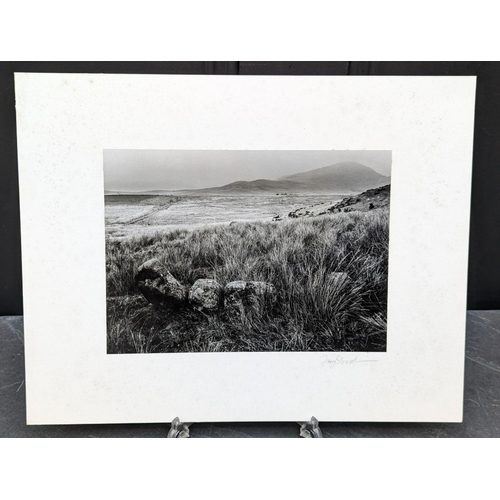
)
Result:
{"points": [[372, 199], [340, 178], [259, 185]]}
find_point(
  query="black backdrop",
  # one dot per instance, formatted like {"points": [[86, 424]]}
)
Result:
{"points": [[484, 262]]}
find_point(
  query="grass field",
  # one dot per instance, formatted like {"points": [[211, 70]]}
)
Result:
{"points": [[133, 215], [313, 311]]}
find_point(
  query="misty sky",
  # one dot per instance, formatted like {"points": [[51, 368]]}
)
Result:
{"points": [[146, 170]]}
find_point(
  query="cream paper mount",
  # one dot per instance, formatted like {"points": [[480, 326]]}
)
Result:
{"points": [[66, 126]]}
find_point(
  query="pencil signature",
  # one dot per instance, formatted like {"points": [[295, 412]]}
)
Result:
{"points": [[339, 360]]}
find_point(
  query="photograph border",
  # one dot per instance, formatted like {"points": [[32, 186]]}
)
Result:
{"points": [[169, 291]]}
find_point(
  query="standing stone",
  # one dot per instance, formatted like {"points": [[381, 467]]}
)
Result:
{"points": [[240, 295], [205, 294], [159, 286]]}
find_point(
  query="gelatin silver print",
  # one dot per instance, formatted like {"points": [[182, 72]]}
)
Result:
{"points": [[246, 251]]}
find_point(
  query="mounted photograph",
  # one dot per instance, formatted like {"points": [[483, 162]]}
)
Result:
{"points": [[246, 251], [249, 249]]}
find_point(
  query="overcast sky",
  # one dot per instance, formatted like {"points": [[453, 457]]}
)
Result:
{"points": [[144, 170]]}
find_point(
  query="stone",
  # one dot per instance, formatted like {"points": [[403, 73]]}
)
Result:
{"points": [[150, 269], [205, 295], [158, 285], [240, 295]]}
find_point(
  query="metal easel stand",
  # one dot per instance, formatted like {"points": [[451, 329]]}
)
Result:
{"points": [[178, 429], [310, 429]]}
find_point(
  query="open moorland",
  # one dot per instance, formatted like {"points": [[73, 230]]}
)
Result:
{"points": [[326, 257], [138, 215]]}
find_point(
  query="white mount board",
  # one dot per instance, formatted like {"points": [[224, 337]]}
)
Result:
{"points": [[65, 121]]}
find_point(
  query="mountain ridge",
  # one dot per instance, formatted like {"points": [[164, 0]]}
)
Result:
{"points": [[338, 178], [343, 178]]}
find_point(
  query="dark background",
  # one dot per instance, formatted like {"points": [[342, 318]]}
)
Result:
{"points": [[484, 264]]}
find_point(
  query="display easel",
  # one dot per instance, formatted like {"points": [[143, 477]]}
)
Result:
{"points": [[308, 429]]}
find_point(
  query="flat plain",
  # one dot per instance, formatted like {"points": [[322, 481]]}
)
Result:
{"points": [[138, 215]]}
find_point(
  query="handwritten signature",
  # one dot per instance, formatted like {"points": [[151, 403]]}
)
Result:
{"points": [[342, 360]]}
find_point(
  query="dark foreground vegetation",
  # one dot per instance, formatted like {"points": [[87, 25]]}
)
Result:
{"points": [[313, 310]]}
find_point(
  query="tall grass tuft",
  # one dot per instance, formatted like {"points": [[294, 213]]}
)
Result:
{"points": [[313, 311]]}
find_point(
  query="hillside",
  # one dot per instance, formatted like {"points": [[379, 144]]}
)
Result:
{"points": [[369, 200], [372, 199], [340, 178], [257, 186]]}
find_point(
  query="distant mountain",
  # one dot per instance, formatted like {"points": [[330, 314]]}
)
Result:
{"points": [[258, 186], [344, 177], [340, 178]]}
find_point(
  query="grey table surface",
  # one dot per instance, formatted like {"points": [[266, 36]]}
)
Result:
{"points": [[481, 399]]}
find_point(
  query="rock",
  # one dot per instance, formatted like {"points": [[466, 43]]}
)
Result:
{"points": [[159, 286], [369, 200], [205, 294], [239, 295], [312, 211]]}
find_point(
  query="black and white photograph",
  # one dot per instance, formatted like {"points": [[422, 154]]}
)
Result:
{"points": [[250, 249], [246, 251]]}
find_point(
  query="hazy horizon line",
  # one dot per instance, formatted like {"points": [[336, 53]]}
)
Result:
{"points": [[132, 173]]}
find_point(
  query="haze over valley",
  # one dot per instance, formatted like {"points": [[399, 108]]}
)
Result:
{"points": [[147, 212]]}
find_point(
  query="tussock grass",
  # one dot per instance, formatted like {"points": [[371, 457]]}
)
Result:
{"points": [[313, 312]]}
